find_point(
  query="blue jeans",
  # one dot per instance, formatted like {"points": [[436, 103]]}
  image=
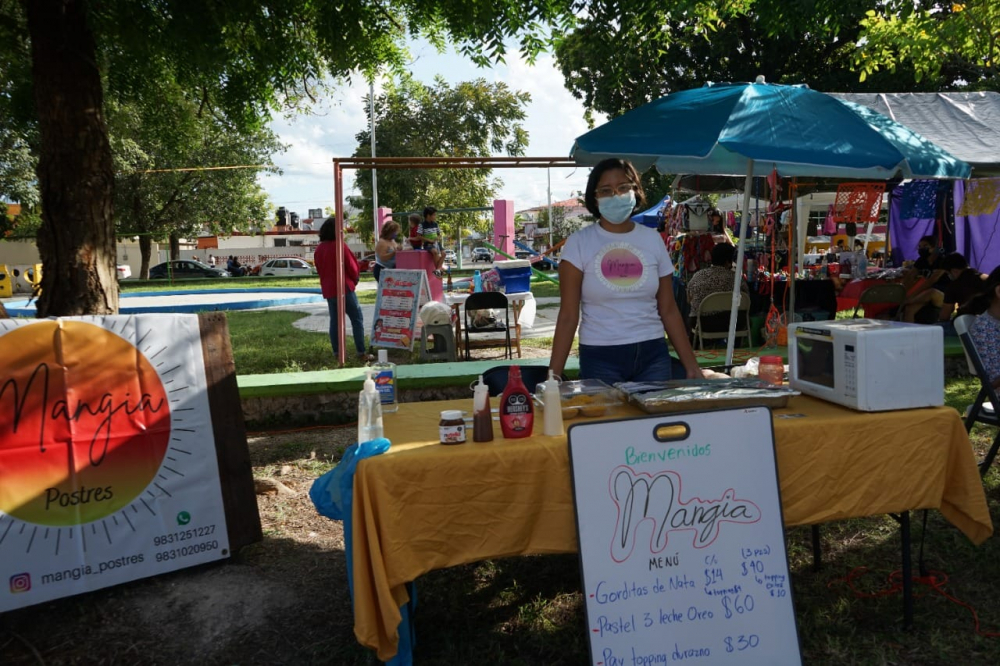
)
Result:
{"points": [[646, 361], [353, 311]]}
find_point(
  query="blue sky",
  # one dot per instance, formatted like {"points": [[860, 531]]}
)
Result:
{"points": [[554, 120]]}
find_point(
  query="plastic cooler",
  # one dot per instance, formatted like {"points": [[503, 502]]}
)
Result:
{"points": [[515, 274]]}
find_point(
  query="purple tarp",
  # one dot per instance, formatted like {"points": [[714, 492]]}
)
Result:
{"points": [[905, 232], [976, 236]]}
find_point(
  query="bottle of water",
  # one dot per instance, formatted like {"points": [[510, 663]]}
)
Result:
{"points": [[477, 282]]}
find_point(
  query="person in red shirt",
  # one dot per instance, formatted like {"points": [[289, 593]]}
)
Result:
{"points": [[328, 278]]}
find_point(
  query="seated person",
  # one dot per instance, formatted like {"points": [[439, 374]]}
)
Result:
{"points": [[963, 288], [923, 306], [416, 242], [430, 233], [234, 267], [720, 276], [985, 331], [928, 264]]}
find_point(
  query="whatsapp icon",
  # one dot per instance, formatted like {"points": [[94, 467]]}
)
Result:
{"points": [[183, 518]]}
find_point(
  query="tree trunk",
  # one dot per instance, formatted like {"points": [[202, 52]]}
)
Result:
{"points": [[145, 251], [76, 240], [175, 247]]}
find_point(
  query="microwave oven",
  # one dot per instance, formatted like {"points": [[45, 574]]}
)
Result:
{"points": [[869, 365]]}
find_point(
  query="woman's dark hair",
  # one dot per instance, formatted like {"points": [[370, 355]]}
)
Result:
{"points": [[992, 282], [590, 196], [328, 231], [723, 254], [954, 260], [930, 240]]}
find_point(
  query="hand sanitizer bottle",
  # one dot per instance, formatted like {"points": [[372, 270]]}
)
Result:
{"points": [[385, 382], [369, 411]]}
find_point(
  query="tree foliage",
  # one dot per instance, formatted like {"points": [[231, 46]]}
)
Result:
{"points": [[167, 131], [412, 119], [622, 56], [952, 44], [241, 58]]}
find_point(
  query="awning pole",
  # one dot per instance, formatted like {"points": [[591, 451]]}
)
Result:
{"points": [[740, 252]]}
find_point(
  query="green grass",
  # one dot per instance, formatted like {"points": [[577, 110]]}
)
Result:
{"points": [[266, 341]]}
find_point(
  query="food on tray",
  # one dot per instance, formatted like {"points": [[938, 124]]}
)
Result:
{"points": [[570, 412], [589, 397], [594, 410], [704, 394]]}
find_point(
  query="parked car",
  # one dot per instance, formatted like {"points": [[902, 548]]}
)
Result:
{"points": [[182, 269], [367, 263], [124, 271], [286, 266], [450, 257], [482, 254]]}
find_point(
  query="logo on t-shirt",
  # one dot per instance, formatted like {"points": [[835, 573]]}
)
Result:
{"points": [[620, 267]]}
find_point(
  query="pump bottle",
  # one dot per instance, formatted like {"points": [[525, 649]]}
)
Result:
{"points": [[369, 411], [552, 425], [482, 418]]}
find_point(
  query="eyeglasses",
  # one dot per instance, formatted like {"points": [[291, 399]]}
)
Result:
{"points": [[623, 188]]}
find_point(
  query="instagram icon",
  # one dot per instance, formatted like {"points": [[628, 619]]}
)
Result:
{"points": [[20, 583]]}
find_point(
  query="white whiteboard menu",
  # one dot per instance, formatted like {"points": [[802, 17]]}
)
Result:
{"points": [[681, 542]]}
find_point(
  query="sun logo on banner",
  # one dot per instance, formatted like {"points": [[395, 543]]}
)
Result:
{"points": [[86, 430]]}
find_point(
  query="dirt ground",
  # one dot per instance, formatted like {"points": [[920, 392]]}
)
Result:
{"points": [[282, 601]]}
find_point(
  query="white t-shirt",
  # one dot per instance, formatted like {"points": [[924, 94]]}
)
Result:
{"points": [[621, 275]]}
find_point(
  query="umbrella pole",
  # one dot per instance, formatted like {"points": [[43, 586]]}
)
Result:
{"points": [[740, 252], [793, 248]]}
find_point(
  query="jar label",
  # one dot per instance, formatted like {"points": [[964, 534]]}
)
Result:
{"points": [[452, 434]]}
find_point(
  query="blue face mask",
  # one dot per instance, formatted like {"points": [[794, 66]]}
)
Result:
{"points": [[617, 209]]}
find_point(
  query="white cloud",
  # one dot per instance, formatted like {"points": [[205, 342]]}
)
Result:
{"points": [[554, 120]]}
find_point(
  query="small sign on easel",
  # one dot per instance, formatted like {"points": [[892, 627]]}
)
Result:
{"points": [[681, 540], [401, 294]]}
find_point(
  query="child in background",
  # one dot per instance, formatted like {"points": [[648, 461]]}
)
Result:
{"points": [[415, 242], [430, 234]]}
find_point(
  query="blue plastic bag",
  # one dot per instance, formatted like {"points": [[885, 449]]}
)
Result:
{"points": [[332, 494]]}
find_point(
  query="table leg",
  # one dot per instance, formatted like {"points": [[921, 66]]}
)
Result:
{"points": [[904, 531], [817, 549], [516, 307]]}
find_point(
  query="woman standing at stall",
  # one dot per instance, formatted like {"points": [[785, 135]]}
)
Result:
{"points": [[615, 282], [385, 249]]}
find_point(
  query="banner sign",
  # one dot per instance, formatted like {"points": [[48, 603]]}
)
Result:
{"points": [[401, 294], [108, 468], [682, 541]]}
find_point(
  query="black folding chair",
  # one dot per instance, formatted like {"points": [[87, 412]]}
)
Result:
{"points": [[532, 375], [487, 300], [983, 410]]}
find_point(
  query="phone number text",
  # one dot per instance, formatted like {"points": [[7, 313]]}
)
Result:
{"points": [[184, 535]]}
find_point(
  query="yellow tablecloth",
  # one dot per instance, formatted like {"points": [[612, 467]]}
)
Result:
{"points": [[422, 506]]}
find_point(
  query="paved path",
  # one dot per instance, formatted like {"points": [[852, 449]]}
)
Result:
{"points": [[319, 318]]}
